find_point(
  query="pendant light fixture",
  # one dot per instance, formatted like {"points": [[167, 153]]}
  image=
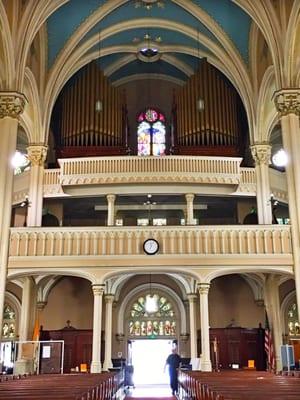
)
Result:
{"points": [[151, 304], [98, 103]]}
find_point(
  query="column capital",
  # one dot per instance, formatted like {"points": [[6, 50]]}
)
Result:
{"points": [[40, 305], [203, 288], [109, 298], [287, 101], [12, 104], [192, 297], [37, 154], [98, 289], [261, 153], [111, 198], [189, 197]]}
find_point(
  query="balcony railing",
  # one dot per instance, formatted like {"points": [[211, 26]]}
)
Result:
{"points": [[120, 170], [126, 241], [134, 170]]}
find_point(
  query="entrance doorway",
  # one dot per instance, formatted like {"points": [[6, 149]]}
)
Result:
{"points": [[148, 359]]}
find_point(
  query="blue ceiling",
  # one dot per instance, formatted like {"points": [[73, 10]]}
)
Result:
{"points": [[62, 24]]}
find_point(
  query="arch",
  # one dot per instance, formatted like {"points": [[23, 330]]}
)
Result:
{"points": [[7, 73], [174, 296], [290, 57], [285, 305]]}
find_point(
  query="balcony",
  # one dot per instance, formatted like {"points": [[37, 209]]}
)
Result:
{"points": [[217, 175], [259, 246]]}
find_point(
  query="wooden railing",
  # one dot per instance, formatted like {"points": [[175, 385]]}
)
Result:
{"points": [[107, 241]]}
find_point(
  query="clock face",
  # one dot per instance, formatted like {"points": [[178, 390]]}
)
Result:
{"points": [[151, 246]]}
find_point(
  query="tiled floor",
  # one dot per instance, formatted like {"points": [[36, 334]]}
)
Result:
{"points": [[150, 391]]}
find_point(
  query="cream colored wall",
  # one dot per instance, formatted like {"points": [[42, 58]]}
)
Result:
{"points": [[230, 297], [71, 298]]}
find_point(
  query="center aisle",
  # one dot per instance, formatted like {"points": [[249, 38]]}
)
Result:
{"points": [[149, 392]]}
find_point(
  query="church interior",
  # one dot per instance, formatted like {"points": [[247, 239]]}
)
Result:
{"points": [[149, 177]]}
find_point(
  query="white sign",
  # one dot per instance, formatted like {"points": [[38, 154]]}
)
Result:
{"points": [[46, 352]]}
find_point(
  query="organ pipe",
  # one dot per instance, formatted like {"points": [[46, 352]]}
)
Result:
{"points": [[219, 124], [81, 125]]}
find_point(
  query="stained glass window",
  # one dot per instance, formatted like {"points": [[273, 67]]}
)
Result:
{"points": [[151, 133], [159, 323], [9, 323], [293, 323]]}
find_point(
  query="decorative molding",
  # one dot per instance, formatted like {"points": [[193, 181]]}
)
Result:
{"points": [[37, 154], [287, 101], [12, 104], [261, 153]]}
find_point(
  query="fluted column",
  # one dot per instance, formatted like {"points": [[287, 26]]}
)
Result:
{"points": [[109, 298], [11, 106], [98, 291], [190, 208], [111, 209], [287, 102], [272, 303], [193, 331], [204, 318], [37, 155], [261, 153]]}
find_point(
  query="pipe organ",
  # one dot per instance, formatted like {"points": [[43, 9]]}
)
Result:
{"points": [[90, 116], [216, 128]]}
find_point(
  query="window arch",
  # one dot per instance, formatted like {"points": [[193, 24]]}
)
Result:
{"points": [[151, 133], [162, 322], [9, 322], [293, 323]]}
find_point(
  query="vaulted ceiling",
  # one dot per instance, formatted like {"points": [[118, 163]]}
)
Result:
{"points": [[179, 32]]}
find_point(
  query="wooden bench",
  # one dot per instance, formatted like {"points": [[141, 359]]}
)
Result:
{"points": [[237, 385], [62, 387]]}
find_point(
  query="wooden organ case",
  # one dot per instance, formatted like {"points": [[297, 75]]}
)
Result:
{"points": [[82, 130], [218, 129]]}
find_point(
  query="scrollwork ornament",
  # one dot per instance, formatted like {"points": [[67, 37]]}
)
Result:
{"points": [[11, 104], [287, 101]]}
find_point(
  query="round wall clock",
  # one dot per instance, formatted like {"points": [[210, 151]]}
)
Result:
{"points": [[151, 246]]}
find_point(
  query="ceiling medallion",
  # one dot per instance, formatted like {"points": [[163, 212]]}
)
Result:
{"points": [[148, 49], [148, 4]]}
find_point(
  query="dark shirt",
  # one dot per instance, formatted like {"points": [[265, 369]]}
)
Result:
{"points": [[173, 361]]}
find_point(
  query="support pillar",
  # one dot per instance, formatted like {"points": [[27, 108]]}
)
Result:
{"points": [[261, 153], [22, 365], [111, 209], [193, 332], [11, 106], [190, 208], [109, 298], [98, 291], [37, 155], [204, 318], [287, 102], [272, 303]]}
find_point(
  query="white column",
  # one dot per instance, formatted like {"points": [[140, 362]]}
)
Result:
{"points": [[11, 106], [261, 153], [37, 155], [193, 331], [272, 303], [111, 209], [109, 298], [190, 208], [204, 318], [287, 102], [22, 365], [98, 291]]}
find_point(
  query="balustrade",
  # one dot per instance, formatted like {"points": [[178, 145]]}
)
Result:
{"points": [[96, 241]]}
